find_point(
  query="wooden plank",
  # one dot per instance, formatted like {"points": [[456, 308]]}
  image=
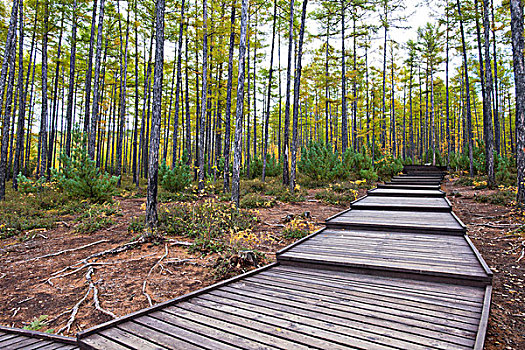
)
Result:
{"points": [[9, 342], [97, 341], [153, 334], [330, 332], [404, 300], [409, 186], [24, 343], [130, 340], [483, 323], [452, 292], [249, 329], [437, 204], [57, 346], [337, 314], [206, 334], [299, 334], [431, 222], [179, 328], [405, 192]]}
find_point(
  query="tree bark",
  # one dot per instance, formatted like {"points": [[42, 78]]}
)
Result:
{"points": [[269, 93], [286, 176], [297, 85], [487, 99], [153, 171], [240, 106], [227, 117], [96, 83], [516, 12], [204, 99], [467, 92]]}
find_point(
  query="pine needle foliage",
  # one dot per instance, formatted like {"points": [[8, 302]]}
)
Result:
{"points": [[78, 175]]}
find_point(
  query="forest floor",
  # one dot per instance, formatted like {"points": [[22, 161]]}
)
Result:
{"points": [[498, 232], [47, 281]]}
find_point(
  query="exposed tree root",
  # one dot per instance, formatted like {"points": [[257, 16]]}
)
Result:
{"points": [[95, 294], [149, 273], [66, 251], [74, 313]]}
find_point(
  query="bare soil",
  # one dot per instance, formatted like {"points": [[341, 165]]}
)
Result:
{"points": [[494, 231], [28, 292]]}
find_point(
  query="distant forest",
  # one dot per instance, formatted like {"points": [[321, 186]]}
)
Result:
{"points": [[231, 87]]}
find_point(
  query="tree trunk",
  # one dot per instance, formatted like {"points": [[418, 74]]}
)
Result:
{"points": [[7, 64], [286, 176], [487, 99], [204, 99], [89, 70], [344, 118], [122, 104], [516, 12], [151, 205], [177, 88], [95, 108], [227, 117], [240, 106], [467, 92], [22, 95], [269, 94], [297, 85]]}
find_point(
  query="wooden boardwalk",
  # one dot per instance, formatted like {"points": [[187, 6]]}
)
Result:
{"points": [[394, 271], [14, 338]]}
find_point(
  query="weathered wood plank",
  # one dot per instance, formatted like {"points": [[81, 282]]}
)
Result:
{"points": [[405, 192]]}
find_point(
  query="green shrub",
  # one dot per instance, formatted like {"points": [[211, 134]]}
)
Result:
{"points": [[319, 162], [79, 176], [499, 198], [175, 179], [252, 186], [26, 185], [388, 166], [255, 200], [207, 222], [96, 217], [273, 167]]}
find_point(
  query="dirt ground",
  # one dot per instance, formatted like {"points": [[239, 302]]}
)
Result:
{"points": [[490, 228], [34, 284]]}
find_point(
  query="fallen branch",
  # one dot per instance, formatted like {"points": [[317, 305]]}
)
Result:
{"points": [[15, 312], [66, 251], [3, 275], [149, 273]]}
